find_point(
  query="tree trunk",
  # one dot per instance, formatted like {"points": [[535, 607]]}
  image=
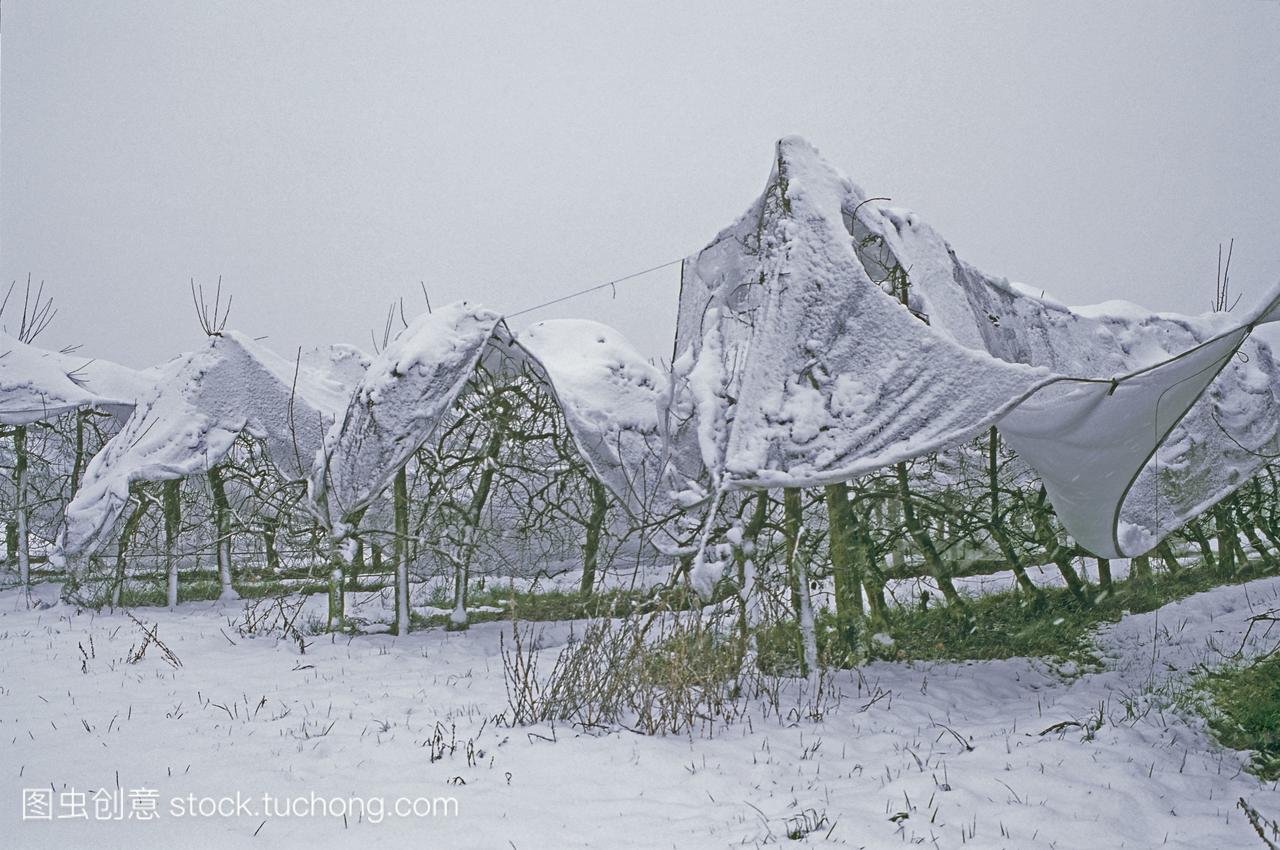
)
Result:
{"points": [[1059, 553], [270, 528], [595, 528], [998, 532], [1171, 564], [873, 574], [122, 548], [1228, 538], [743, 557], [873, 577], [1196, 531], [1265, 521], [357, 566], [1104, 573], [222, 528], [897, 551], [1269, 535], [845, 567], [353, 567], [1140, 569], [77, 459], [401, 497], [797, 569], [489, 465], [920, 535], [337, 597], [1062, 560], [171, 497], [20, 508], [1250, 529]]}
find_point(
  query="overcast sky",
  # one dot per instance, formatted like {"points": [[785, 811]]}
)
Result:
{"points": [[324, 158]]}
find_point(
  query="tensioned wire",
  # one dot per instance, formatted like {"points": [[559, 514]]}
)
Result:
{"points": [[596, 288]]}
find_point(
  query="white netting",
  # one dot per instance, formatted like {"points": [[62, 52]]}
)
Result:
{"points": [[802, 368]]}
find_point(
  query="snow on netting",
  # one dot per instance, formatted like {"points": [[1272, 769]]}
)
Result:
{"points": [[402, 396], [612, 399], [191, 418], [799, 365], [821, 337], [36, 384], [1094, 438]]}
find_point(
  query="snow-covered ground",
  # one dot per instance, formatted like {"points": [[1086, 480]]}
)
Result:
{"points": [[943, 755]]}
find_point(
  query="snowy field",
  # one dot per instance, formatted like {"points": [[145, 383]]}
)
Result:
{"points": [[942, 755]]}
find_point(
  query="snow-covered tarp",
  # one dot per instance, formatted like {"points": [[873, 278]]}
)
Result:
{"points": [[37, 384], [801, 369], [191, 419]]}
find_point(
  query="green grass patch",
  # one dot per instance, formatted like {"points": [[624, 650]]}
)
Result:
{"points": [[136, 594], [841, 643], [549, 605], [999, 625], [1057, 625], [205, 586], [1002, 625], [1244, 711]]}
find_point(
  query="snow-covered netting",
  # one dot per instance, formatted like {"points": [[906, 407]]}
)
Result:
{"points": [[1093, 440], [37, 384], [822, 336], [799, 368], [613, 400], [190, 420], [1089, 440], [403, 395]]}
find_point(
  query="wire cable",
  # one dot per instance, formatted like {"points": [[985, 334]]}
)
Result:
{"points": [[595, 288]]}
